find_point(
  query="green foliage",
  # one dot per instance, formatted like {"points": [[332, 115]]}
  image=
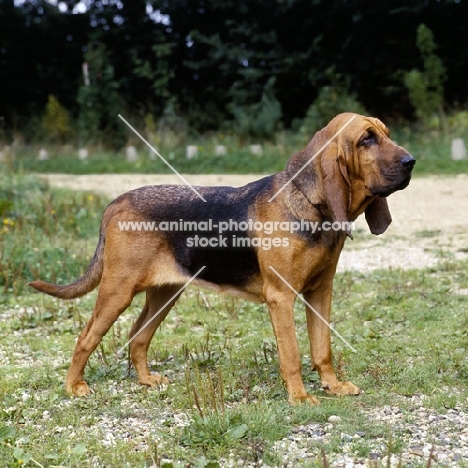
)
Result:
{"points": [[433, 68], [425, 88], [55, 122], [457, 123], [259, 120], [216, 429], [238, 160], [29, 213], [331, 100], [171, 129], [157, 70], [100, 103], [432, 149], [208, 56], [214, 61]]}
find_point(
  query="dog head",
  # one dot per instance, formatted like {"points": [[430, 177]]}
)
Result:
{"points": [[351, 165]]}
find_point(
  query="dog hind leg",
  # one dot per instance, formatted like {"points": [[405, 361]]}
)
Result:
{"points": [[113, 298], [159, 301]]}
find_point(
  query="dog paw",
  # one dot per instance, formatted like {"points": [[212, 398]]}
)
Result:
{"points": [[341, 388], [79, 389], [307, 399], [154, 380]]}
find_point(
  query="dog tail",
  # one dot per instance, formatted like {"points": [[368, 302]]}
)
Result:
{"points": [[89, 281]]}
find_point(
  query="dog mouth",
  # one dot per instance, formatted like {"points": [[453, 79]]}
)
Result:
{"points": [[398, 176], [388, 190]]}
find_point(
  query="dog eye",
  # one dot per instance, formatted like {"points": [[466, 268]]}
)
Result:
{"points": [[367, 139]]}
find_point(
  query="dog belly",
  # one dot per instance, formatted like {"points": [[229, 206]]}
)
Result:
{"points": [[225, 264], [252, 291]]}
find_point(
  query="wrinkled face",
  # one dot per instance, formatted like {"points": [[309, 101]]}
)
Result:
{"points": [[371, 156]]}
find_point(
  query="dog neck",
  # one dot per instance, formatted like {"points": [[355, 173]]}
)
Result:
{"points": [[319, 207]]}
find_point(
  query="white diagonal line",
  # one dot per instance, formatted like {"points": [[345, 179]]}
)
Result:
{"points": [[313, 309], [162, 159], [312, 158], [161, 309]]}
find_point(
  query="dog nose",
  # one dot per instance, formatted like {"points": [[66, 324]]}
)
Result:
{"points": [[408, 162]]}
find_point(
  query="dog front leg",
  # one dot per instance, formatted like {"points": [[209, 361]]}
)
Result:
{"points": [[318, 320], [281, 308]]}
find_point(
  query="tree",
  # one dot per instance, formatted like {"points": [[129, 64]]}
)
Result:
{"points": [[99, 101], [426, 89], [202, 59], [40, 55]]}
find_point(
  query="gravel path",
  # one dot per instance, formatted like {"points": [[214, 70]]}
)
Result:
{"points": [[424, 432]]}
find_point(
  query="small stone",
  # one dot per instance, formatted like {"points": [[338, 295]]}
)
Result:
{"points": [[220, 150], [131, 153], [43, 155], [83, 153], [327, 427], [191, 151], [458, 149], [256, 149], [333, 419], [314, 427], [151, 154], [346, 437], [419, 451]]}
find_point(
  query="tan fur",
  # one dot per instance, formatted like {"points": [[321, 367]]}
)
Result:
{"points": [[352, 175]]}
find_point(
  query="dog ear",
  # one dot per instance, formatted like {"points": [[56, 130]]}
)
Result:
{"points": [[336, 184], [378, 216], [302, 168]]}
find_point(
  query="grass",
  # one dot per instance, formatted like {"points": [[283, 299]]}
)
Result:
{"points": [[430, 148], [225, 401], [36, 229], [238, 160]]}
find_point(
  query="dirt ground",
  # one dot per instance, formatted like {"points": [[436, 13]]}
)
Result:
{"points": [[430, 217]]}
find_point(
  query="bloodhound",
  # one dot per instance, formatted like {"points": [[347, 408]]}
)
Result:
{"points": [[348, 168]]}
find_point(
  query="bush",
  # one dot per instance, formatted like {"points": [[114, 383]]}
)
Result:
{"points": [[331, 100], [55, 122], [458, 122], [100, 102], [425, 88], [170, 130], [261, 119]]}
